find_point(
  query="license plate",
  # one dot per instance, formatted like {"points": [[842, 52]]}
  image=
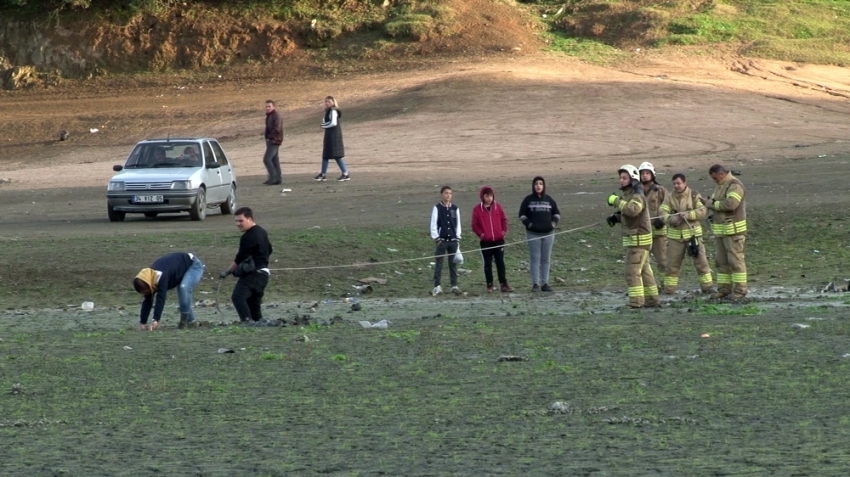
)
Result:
{"points": [[148, 199]]}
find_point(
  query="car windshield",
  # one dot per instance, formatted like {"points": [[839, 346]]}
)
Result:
{"points": [[165, 154]]}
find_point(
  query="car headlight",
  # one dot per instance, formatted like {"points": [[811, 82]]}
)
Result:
{"points": [[181, 185], [115, 185]]}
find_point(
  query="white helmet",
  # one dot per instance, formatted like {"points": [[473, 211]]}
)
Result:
{"points": [[647, 166], [630, 170]]}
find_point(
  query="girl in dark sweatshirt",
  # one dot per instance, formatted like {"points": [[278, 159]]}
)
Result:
{"points": [[539, 213]]}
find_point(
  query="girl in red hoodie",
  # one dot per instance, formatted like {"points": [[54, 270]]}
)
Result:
{"points": [[490, 225]]}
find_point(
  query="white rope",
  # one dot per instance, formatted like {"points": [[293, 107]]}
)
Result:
{"points": [[430, 257]]}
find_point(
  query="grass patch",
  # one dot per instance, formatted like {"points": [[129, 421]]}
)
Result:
{"points": [[592, 51], [812, 31], [172, 405], [711, 309]]}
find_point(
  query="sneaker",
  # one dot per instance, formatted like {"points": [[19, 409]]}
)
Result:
{"points": [[535, 288], [437, 290], [507, 288], [545, 288], [343, 178], [456, 290], [320, 177], [490, 288]]}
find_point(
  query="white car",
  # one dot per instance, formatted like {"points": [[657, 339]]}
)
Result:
{"points": [[172, 175]]}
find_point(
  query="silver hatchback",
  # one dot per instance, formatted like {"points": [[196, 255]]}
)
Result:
{"points": [[172, 175]]}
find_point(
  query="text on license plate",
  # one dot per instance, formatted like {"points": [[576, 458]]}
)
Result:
{"points": [[147, 199]]}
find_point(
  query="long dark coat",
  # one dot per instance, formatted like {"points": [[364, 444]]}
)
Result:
{"points": [[333, 146]]}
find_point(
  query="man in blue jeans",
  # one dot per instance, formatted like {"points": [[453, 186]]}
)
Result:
{"points": [[176, 270]]}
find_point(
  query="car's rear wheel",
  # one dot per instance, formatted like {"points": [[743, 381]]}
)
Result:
{"points": [[229, 205], [114, 215], [199, 208], [151, 215]]}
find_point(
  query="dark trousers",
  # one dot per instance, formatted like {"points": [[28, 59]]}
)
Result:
{"points": [[271, 159], [248, 294], [488, 255], [444, 248]]}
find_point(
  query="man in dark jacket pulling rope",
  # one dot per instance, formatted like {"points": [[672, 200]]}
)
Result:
{"points": [[251, 265]]}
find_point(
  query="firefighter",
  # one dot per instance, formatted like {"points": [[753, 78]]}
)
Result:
{"points": [[683, 211], [655, 195], [633, 214], [729, 227]]}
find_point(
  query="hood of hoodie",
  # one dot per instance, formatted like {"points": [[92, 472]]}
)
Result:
{"points": [[484, 190], [538, 178]]}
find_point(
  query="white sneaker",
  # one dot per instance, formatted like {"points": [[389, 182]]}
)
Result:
{"points": [[437, 290], [456, 290]]}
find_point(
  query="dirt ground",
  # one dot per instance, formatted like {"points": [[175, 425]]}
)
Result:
{"points": [[496, 119]]}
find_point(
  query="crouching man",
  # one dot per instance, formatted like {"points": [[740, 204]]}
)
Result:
{"points": [[176, 270]]}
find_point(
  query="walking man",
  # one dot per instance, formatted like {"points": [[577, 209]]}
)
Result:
{"points": [[729, 227], [655, 194], [251, 266], [637, 238], [274, 138], [445, 231], [683, 211], [175, 270]]}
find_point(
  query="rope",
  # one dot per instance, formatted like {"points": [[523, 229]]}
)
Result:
{"points": [[430, 257]]}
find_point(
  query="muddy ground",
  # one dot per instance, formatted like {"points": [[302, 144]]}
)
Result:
{"points": [[427, 396]]}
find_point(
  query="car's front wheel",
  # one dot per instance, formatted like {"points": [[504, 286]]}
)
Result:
{"points": [[114, 215], [199, 208], [228, 207]]}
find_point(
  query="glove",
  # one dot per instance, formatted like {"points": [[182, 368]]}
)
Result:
{"points": [[613, 220], [658, 223], [676, 220], [225, 274], [612, 199]]}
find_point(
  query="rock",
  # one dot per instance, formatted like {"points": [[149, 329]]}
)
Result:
{"points": [[559, 407], [127, 348], [800, 326], [381, 325], [829, 288], [356, 307], [225, 350], [511, 358], [87, 306], [63, 135]]}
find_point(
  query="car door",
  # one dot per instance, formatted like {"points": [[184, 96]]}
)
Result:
{"points": [[215, 191], [226, 169]]}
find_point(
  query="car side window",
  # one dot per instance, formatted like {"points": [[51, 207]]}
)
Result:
{"points": [[208, 153], [135, 157], [219, 154]]}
